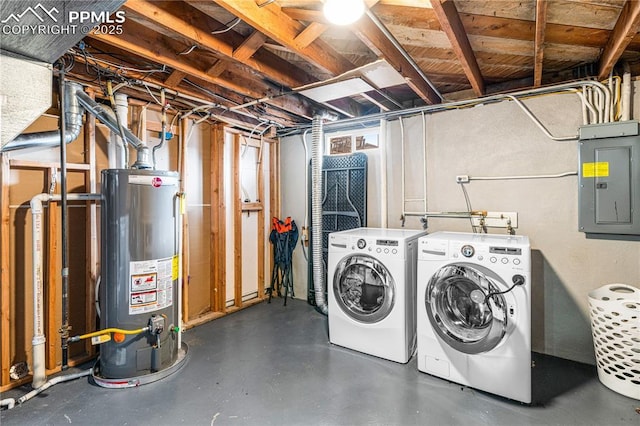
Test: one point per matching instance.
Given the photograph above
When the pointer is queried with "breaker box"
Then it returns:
(609, 178)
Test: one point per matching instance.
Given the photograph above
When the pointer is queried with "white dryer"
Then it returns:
(474, 311)
(371, 291)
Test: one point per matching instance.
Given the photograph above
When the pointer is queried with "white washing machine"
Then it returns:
(371, 291)
(474, 311)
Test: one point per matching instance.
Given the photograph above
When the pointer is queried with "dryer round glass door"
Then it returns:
(463, 308)
(363, 288)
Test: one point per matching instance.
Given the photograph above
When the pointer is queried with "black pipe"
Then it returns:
(64, 330)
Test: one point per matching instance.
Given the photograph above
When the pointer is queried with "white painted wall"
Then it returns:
(498, 140)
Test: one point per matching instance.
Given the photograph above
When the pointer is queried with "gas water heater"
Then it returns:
(139, 277)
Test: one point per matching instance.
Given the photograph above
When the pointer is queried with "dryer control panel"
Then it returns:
(377, 247)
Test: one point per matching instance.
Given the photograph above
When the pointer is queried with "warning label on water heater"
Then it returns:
(151, 285)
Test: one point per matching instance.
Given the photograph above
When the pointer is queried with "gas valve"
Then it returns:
(156, 324)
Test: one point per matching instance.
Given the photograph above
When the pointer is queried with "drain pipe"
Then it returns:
(73, 123)
(316, 210)
(39, 339)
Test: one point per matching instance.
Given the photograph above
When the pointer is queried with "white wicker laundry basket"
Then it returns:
(615, 326)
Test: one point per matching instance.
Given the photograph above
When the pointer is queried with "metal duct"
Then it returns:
(109, 120)
(35, 35)
(316, 214)
(73, 118)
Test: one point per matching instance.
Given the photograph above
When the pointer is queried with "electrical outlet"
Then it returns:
(462, 179)
(497, 220)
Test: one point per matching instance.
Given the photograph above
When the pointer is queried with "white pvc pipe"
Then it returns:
(122, 111)
(52, 382)
(39, 339)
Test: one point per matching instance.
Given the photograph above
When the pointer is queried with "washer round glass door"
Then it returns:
(464, 309)
(363, 288)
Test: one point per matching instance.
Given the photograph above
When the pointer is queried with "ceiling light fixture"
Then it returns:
(343, 12)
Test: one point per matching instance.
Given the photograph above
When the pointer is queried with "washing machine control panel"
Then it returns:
(504, 256)
(375, 246)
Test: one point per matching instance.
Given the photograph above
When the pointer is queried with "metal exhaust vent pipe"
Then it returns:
(73, 120)
(142, 161)
(316, 210)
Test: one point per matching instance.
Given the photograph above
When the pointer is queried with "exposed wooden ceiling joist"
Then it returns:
(188, 29)
(250, 46)
(280, 27)
(624, 31)
(175, 78)
(251, 53)
(309, 34)
(372, 36)
(452, 26)
(155, 50)
(541, 24)
(159, 53)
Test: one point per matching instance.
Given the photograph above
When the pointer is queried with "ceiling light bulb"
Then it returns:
(343, 12)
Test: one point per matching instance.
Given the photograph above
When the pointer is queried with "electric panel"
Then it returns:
(609, 178)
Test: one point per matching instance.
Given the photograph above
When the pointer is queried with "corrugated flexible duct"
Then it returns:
(316, 210)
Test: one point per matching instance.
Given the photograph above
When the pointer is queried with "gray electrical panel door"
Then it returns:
(609, 193)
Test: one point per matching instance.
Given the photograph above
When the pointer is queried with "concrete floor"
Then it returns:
(273, 365)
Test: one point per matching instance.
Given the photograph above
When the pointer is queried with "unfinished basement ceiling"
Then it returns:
(253, 57)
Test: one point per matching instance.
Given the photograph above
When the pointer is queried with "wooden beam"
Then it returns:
(250, 46)
(136, 40)
(31, 164)
(376, 40)
(370, 34)
(271, 21)
(541, 24)
(218, 220)
(185, 260)
(5, 271)
(91, 223)
(237, 222)
(175, 78)
(274, 187)
(261, 240)
(452, 26)
(238, 93)
(309, 34)
(51, 279)
(625, 29)
(185, 28)
(217, 68)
